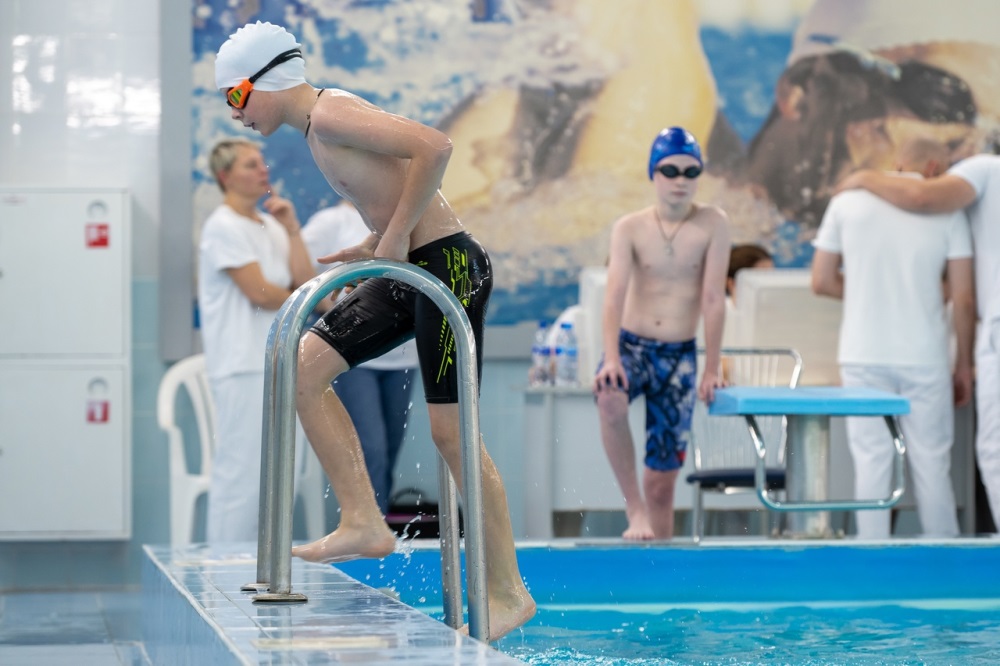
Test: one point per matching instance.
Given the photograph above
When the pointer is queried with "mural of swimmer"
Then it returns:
(544, 165)
(550, 104)
(865, 77)
(556, 100)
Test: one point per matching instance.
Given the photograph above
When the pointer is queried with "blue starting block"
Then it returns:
(828, 400)
(807, 411)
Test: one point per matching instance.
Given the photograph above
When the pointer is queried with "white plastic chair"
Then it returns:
(188, 484)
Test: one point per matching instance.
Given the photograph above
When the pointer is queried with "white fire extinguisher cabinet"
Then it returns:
(65, 364)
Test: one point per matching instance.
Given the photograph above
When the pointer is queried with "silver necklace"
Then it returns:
(670, 239)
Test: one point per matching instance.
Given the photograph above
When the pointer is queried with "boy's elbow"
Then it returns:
(713, 301)
(443, 150)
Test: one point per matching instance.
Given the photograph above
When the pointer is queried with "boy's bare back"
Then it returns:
(366, 153)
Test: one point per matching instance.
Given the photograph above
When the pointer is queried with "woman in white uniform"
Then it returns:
(250, 260)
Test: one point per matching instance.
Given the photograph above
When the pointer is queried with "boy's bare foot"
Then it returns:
(349, 543)
(507, 615)
(639, 528)
(638, 533)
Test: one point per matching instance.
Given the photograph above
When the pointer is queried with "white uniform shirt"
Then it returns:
(893, 263)
(983, 173)
(234, 330)
(331, 230)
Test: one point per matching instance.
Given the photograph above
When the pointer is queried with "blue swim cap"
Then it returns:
(673, 141)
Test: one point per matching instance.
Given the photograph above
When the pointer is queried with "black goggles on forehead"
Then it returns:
(238, 95)
(671, 171)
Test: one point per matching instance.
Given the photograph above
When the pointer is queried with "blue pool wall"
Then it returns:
(770, 574)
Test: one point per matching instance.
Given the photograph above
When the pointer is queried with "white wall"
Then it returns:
(80, 106)
(80, 102)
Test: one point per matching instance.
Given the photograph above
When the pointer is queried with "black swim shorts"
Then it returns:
(382, 314)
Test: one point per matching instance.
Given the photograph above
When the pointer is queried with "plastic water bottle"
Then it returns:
(566, 356)
(541, 354)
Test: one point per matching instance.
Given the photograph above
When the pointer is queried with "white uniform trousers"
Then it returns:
(988, 412)
(928, 431)
(234, 493)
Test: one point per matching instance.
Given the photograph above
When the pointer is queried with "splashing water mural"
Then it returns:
(551, 107)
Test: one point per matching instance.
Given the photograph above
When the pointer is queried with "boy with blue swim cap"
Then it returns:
(667, 268)
(674, 141)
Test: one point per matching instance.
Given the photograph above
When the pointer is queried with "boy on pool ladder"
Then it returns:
(390, 168)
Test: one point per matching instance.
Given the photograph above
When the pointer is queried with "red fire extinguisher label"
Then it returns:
(98, 405)
(98, 411)
(97, 234)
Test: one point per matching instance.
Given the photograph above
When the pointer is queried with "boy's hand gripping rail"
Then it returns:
(274, 544)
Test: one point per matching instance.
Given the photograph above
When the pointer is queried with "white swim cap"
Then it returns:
(249, 49)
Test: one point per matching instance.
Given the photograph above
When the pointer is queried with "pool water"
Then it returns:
(920, 602)
(788, 635)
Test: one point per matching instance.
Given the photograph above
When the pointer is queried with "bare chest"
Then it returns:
(370, 181)
(673, 254)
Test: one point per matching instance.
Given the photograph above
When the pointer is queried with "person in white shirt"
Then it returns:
(972, 184)
(377, 393)
(894, 335)
(250, 259)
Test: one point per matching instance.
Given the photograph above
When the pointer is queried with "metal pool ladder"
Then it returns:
(274, 544)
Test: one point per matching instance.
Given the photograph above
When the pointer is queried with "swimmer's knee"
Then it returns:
(659, 484)
(443, 416)
(612, 404)
(444, 422)
(318, 362)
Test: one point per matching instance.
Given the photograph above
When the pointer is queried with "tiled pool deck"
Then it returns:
(194, 613)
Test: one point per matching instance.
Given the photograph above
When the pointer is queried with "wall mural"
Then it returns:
(552, 105)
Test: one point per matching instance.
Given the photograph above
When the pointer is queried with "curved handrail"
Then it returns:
(277, 452)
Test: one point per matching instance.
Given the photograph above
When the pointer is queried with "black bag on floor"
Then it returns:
(411, 516)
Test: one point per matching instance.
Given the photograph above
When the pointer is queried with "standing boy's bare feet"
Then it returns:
(639, 528)
(349, 543)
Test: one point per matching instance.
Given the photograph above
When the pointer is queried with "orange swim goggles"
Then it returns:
(238, 96)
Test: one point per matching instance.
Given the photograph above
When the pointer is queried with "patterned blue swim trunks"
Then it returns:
(666, 373)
